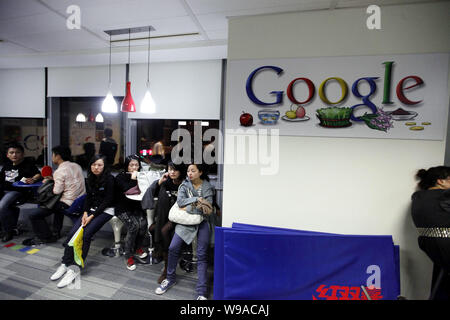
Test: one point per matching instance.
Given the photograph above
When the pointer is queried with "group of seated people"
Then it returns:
(105, 196)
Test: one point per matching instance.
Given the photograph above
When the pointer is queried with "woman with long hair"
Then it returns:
(97, 211)
(163, 229)
(430, 211)
(130, 212)
(195, 195)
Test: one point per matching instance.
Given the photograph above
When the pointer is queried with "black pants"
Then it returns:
(39, 224)
(137, 234)
(96, 224)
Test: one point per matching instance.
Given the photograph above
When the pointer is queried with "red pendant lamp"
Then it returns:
(128, 102)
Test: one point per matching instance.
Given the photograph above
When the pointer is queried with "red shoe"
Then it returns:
(130, 264)
(141, 253)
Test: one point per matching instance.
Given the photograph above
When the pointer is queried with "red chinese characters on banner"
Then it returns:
(346, 293)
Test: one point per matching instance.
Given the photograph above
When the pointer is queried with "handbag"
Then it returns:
(45, 196)
(133, 191)
(144, 180)
(180, 216)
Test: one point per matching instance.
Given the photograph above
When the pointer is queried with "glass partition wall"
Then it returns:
(156, 134)
(31, 133)
(83, 127)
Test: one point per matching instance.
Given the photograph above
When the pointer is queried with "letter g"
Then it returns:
(251, 94)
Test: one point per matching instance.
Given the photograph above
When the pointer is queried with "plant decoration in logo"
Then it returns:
(378, 121)
(334, 117)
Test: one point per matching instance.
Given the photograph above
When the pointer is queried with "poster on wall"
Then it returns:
(394, 97)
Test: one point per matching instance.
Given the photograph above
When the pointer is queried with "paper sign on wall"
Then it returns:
(396, 97)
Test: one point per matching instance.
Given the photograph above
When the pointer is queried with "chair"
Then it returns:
(76, 209)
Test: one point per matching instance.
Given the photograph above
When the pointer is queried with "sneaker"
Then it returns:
(62, 269)
(68, 278)
(165, 285)
(141, 253)
(202, 298)
(32, 242)
(141, 260)
(130, 264)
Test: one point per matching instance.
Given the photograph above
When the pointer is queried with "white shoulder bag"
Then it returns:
(180, 216)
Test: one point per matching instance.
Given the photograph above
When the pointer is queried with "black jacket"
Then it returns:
(431, 208)
(99, 196)
(123, 184)
(167, 196)
(11, 173)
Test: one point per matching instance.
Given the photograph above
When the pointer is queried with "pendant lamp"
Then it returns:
(148, 104)
(99, 118)
(128, 102)
(109, 105)
(80, 118)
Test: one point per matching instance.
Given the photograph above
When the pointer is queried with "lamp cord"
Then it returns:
(109, 59)
(148, 57)
(129, 39)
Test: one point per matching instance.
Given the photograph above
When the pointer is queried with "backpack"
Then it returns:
(45, 196)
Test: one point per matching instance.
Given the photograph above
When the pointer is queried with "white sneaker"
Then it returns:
(68, 278)
(202, 298)
(59, 272)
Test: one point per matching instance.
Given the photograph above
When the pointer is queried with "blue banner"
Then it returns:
(256, 262)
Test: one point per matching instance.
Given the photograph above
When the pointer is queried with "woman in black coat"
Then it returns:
(167, 191)
(97, 211)
(430, 211)
(131, 214)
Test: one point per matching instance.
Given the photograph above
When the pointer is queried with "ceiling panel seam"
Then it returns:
(42, 2)
(191, 14)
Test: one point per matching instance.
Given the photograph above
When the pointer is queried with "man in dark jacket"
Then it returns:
(16, 168)
(108, 147)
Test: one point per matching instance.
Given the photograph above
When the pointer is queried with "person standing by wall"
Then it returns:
(108, 147)
(69, 182)
(430, 211)
(15, 169)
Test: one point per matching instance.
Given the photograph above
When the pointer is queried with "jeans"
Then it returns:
(202, 254)
(39, 224)
(137, 233)
(89, 231)
(9, 213)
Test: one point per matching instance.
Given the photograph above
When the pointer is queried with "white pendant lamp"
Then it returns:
(99, 118)
(109, 105)
(148, 104)
(81, 118)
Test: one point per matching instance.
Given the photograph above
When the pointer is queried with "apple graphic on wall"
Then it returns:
(246, 119)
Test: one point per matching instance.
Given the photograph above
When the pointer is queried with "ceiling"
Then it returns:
(34, 32)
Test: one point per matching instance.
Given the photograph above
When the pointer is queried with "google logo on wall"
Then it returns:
(405, 84)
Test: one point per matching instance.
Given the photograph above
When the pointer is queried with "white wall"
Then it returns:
(23, 93)
(181, 90)
(340, 185)
(90, 81)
